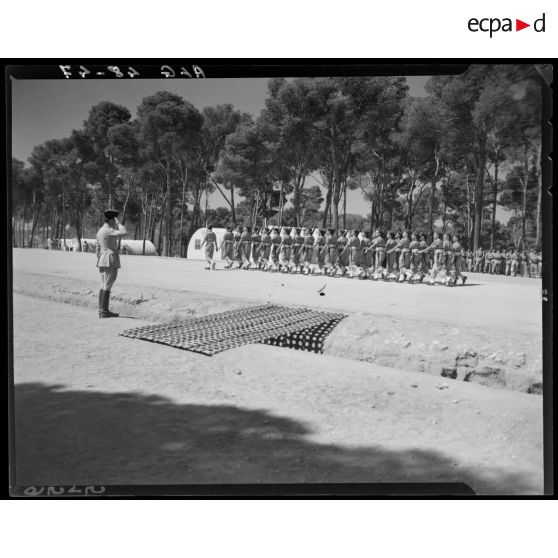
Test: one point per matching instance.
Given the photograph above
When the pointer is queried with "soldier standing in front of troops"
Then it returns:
(390, 256)
(210, 241)
(227, 248)
(265, 250)
(256, 247)
(108, 260)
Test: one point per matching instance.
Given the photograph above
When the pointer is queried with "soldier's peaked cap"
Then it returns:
(110, 213)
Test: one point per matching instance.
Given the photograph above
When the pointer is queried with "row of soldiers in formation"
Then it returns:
(504, 262)
(389, 256)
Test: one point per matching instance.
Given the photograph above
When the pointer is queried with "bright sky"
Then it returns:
(48, 109)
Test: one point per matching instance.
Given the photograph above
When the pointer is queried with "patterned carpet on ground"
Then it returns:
(295, 328)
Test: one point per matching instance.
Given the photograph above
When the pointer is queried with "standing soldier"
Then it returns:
(227, 248)
(210, 241)
(539, 264)
(488, 261)
(256, 246)
(108, 260)
(265, 251)
(319, 252)
(479, 260)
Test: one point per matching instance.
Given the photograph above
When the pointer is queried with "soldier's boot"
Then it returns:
(105, 312)
(101, 292)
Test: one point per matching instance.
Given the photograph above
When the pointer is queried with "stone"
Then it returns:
(536, 388)
(449, 373)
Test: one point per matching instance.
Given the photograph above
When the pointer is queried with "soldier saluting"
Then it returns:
(108, 259)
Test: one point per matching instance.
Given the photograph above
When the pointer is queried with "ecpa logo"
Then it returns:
(494, 24)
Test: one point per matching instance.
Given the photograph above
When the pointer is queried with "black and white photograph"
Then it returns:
(280, 279)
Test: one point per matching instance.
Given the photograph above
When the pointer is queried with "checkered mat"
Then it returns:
(296, 328)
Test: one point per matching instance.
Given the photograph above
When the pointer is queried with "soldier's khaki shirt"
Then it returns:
(107, 246)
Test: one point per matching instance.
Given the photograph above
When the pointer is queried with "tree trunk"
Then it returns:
(344, 206)
(539, 200)
(167, 215)
(479, 199)
(233, 212)
(181, 248)
(431, 209)
(327, 206)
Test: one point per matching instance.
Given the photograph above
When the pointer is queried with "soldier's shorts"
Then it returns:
(108, 277)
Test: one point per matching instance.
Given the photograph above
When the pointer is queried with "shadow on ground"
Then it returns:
(86, 437)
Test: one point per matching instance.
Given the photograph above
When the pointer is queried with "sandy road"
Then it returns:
(485, 302)
(96, 408)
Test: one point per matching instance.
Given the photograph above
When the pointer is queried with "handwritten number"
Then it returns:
(132, 72)
(66, 71)
(198, 71)
(115, 70)
(34, 490)
(167, 71)
(94, 489)
(185, 72)
(84, 71)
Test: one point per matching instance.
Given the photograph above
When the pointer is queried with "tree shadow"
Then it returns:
(67, 437)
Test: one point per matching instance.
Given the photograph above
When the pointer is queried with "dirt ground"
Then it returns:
(93, 407)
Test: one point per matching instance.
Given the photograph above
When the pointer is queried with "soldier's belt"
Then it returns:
(405, 251)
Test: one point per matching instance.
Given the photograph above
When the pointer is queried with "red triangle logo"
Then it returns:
(519, 25)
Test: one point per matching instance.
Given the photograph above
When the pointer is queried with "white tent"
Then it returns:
(131, 247)
(195, 250)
